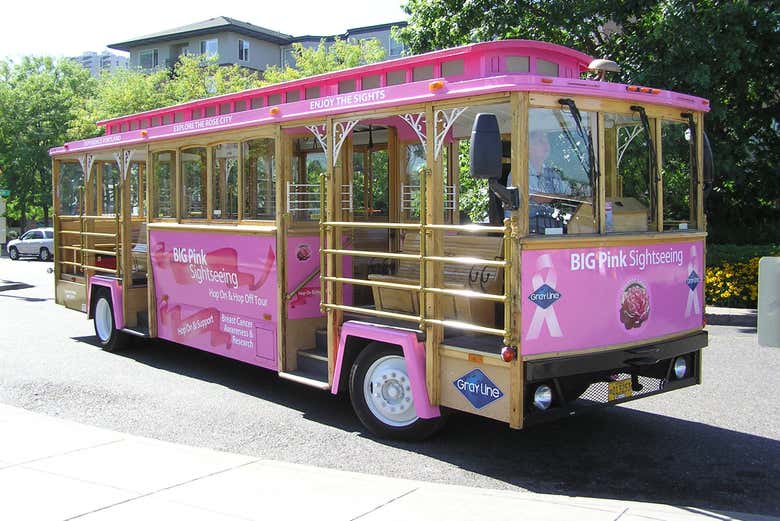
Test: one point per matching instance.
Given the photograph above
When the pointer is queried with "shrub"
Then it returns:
(732, 274)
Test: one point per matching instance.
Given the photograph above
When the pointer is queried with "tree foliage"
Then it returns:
(310, 61)
(38, 97)
(128, 91)
(723, 51)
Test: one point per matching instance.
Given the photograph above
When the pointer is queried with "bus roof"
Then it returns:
(480, 68)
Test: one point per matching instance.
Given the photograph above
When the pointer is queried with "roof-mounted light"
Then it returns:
(601, 67)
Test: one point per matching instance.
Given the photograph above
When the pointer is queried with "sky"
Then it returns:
(45, 27)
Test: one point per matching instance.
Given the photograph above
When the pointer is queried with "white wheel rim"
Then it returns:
(103, 320)
(388, 392)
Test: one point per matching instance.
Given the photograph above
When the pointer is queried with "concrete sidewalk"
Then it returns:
(52, 469)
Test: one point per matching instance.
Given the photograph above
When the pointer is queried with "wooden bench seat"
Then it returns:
(474, 277)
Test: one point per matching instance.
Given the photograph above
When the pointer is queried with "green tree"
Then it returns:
(196, 77)
(723, 51)
(128, 91)
(340, 54)
(38, 97)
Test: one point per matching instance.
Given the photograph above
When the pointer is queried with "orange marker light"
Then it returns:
(547, 80)
(144, 133)
(436, 85)
(274, 111)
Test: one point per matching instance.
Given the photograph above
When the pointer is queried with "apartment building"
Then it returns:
(237, 42)
(95, 62)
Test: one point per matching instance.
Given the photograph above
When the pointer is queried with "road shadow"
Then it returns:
(614, 453)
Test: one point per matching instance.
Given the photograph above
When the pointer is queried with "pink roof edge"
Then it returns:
(552, 48)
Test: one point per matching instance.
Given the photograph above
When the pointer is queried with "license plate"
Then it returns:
(619, 389)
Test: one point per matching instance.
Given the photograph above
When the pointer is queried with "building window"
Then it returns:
(209, 47)
(243, 50)
(148, 59)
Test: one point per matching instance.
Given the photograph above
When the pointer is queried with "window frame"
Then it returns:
(204, 47)
(155, 58)
(243, 50)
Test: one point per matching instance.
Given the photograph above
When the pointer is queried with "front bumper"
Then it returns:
(580, 383)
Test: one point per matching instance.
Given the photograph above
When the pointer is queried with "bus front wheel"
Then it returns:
(109, 338)
(381, 394)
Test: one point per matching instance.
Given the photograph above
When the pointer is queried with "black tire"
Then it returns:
(412, 429)
(44, 255)
(13, 253)
(108, 336)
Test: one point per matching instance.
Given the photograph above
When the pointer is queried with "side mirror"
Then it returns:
(485, 156)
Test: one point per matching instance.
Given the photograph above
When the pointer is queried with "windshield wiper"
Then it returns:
(654, 172)
(593, 172)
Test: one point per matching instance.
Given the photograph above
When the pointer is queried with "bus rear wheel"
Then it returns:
(109, 337)
(381, 394)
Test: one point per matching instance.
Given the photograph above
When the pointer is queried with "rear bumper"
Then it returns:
(580, 383)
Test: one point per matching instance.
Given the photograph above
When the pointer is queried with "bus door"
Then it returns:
(369, 191)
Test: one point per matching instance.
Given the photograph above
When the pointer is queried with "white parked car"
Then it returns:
(38, 242)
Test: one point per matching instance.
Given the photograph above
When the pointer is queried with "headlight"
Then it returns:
(680, 368)
(543, 397)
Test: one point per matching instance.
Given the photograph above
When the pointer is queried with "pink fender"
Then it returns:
(116, 297)
(414, 353)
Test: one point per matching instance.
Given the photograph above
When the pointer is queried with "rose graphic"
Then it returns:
(635, 305)
(304, 252)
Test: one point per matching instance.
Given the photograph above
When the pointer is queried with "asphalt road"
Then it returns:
(713, 446)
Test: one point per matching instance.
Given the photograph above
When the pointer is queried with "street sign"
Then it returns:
(5, 193)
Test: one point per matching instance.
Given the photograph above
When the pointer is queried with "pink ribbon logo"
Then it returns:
(544, 296)
(693, 281)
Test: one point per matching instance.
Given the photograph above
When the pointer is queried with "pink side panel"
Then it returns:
(303, 260)
(414, 353)
(584, 298)
(217, 293)
(116, 297)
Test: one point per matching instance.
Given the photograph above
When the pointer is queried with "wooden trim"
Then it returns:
(658, 138)
(55, 201)
(332, 187)
(150, 288)
(213, 228)
(123, 249)
(468, 355)
(280, 174)
(600, 149)
(613, 239)
(701, 218)
(615, 347)
(519, 224)
(266, 130)
(485, 99)
(177, 187)
(432, 246)
(367, 114)
(208, 189)
(593, 104)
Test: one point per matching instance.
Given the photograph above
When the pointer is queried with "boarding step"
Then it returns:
(307, 378)
(136, 331)
(314, 361)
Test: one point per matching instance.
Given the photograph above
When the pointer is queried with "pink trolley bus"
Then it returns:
(493, 229)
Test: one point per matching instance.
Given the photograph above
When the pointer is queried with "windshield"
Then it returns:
(559, 173)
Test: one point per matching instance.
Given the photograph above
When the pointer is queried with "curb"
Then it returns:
(731, 317)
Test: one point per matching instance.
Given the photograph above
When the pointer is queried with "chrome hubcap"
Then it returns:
(103, 320)
(388, 392)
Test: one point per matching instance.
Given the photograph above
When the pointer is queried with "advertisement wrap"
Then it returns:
(217, 293)
(303, 267)
(582, 298)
